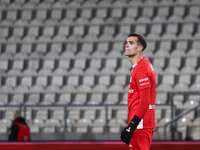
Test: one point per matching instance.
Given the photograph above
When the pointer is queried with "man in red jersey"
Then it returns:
(141, 96)
(19, 129)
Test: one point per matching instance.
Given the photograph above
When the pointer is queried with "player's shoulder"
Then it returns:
(144, 63)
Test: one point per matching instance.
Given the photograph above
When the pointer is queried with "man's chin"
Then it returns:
(126, 54)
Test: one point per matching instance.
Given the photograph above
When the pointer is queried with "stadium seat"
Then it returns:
(27, 80)
(115, 125)
(161, 98)
(121, 113)
(98, 126)
(167, 82)
(84, 89)
(80, 98)
(37, 125)
(171, 31)
(156, 30)
(112, 98)
(183, 84)
(8, 114)
(141, 29)
(124, 99)
(17, 99)
(56, 14)
(187, 31)
(159, 62)
(21, 89)
(90, 113)
(34, 97)
(178, 13)
(50, 125)
(74, 113)
(87, 47)
(42, 79)
(96, 98)
(121, 80)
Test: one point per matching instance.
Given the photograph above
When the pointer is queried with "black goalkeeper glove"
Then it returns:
(127, 133)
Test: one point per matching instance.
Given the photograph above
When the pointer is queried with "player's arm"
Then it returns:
(127, 133)
(144, 84)
(13, 132)
(144, 103)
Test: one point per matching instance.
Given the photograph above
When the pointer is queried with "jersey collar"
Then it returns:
(134, 65)
(138, 62)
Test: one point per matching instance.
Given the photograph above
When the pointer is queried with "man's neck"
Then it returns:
(134, 59)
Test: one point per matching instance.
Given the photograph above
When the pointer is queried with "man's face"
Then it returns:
(131, 46)
(14, 117)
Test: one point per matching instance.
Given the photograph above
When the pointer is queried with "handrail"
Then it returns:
(178, 117)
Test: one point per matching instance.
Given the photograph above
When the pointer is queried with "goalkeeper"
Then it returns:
(141, 96)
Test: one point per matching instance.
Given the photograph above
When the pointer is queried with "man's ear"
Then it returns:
(140, 48)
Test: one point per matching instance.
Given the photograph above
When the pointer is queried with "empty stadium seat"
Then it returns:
(167, 82)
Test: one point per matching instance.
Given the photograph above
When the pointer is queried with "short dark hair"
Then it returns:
(140, 39)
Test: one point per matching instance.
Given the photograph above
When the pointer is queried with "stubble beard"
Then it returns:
(129, 54)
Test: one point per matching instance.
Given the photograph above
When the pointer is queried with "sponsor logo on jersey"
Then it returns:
(144, 83)
(151, 106)
(131, 91)
(144, 79)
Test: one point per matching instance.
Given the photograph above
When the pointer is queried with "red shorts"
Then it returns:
(141, 139)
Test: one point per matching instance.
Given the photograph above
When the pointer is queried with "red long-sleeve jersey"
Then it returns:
(141, 94)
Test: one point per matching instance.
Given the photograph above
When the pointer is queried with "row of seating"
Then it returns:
(74, 48)
(71, 3)
(25, 65)
(63, 98)
(157, 31)
(93, 4)
(90, 38)
(73, 97)
(152, 13)
(93, 83)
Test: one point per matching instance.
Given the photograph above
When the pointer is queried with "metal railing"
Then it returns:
(23, 109)
(174, 116)
(175, 119)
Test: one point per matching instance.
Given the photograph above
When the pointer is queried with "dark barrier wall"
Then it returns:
(96, 146)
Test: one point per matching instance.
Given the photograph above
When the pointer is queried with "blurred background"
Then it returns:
(62, 65)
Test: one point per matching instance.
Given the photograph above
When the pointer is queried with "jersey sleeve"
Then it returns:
(144, 103)
(143, 83)
(142, 78)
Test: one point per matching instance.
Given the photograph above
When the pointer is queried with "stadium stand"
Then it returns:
(70, 52)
